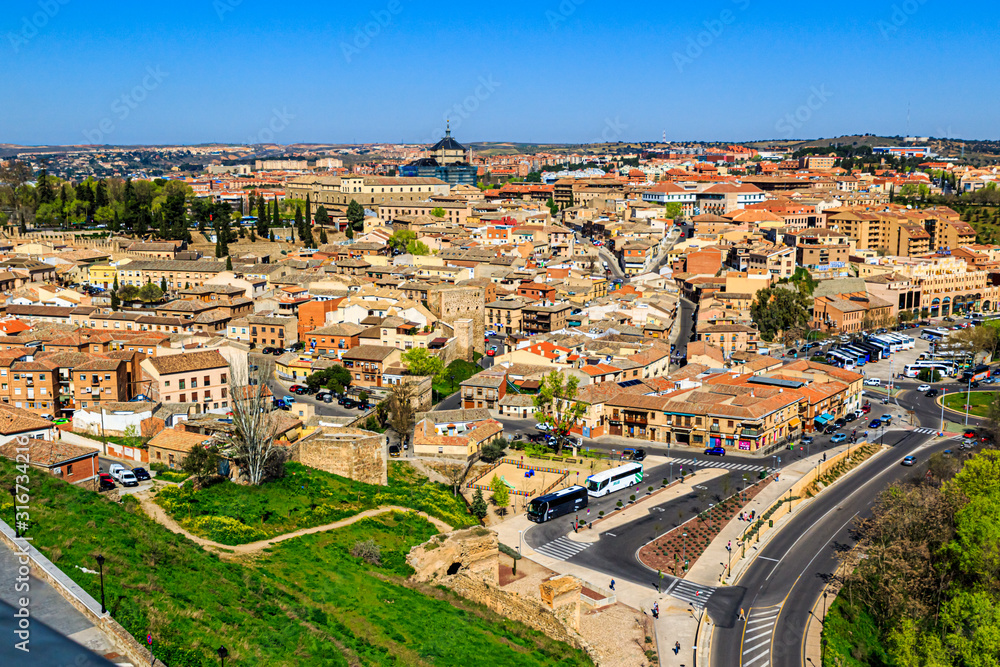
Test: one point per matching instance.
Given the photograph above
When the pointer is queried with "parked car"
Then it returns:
(840, 423)
(141, 474)
(634, 454)
(394, 451)
(328, 398)
(267, 350)
(491, 352)
(107, 482)
(298, 389)
(974, 384)
(716, 451)
(866, 408)
(969, 433)
(910, 461)
(873, 382)
(122, 475)
(949, 319)
(924, 387)
(850, 416)
(830, 429)
(807, 440)
(838, 437)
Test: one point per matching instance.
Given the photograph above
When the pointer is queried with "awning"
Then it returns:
(828, 416)
(822, 419)
(794, 423)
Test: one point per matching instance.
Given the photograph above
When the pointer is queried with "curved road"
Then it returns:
(790, 572)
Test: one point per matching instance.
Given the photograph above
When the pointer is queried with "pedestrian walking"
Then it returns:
(743, 616)
(677, 648)
(612, 584)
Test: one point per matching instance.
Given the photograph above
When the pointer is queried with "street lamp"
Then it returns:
(519, 534)
(223, 653)
(100, 564)
(452, 378)
(968, 398)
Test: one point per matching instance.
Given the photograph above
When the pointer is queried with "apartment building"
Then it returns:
(264, 330)
(191, 377)
(30, 385)
(779, 262)
(819, 247)
(484, 390)
(505, 316)
(538, 319)
(367, 363)
(337, 192)
(100, 381)
(730, 338)
(333, 340)
(177, 274)
(851, 312)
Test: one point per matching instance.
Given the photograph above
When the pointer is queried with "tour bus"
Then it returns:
(935, 334)
(841, 360)
(861, 355)
(882, 345)
(875, 352)
(615, 479)
(551, 505)
(894, 344)
(942, 367)
(905, 341)
(980, 372)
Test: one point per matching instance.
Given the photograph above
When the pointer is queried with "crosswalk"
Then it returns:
(757, 633)
(562, 548)
(694, 594)
(926, 431)
(704, 463)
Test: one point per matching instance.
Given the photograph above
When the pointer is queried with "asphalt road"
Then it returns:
(790, 572)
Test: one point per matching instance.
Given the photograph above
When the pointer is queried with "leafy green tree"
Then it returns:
(322, 217)
(673, 210)
(276, 222)
(437, 212)
(494, 450)
(776, 310)
(349, 232)
(355, 215)
(553, 207)
(556, 407)
(417, 248)
(402, 238)
(328, 377)
(129, 292)
(501, 495)
(419, 361)
(202, 462)
(479, 507)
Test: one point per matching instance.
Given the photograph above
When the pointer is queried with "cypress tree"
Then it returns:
(299, 223)
(276, 223)
(45, 192)
(323, 239)
(229, 263)
(261, 217)
(309, 215)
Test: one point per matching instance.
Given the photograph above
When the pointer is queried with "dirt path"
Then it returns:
(159, 515)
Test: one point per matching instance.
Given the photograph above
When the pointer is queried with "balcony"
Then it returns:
(714, 428)
(750, 433)
(640, 420)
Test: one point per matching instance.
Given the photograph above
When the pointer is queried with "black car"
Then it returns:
(850, 417)
(840, 423)
(349, 403)
(635, 454)
(140, 474)
(974, 384)
(830, 429)
(267, 350)
(932, 393)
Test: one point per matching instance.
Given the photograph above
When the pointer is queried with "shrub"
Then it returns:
(224, 529)
(368, 551)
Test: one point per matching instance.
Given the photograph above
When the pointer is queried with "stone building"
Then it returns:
(349, 452)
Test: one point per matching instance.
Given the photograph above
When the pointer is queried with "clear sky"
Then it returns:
(542, 71)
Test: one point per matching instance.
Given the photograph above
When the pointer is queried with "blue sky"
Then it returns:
(543, 71)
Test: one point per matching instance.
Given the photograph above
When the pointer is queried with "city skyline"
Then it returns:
(229, 72)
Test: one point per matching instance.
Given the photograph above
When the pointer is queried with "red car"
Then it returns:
(107, 482)
(866, 408)
(491, 353)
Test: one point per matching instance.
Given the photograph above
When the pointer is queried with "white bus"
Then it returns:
(615, 479)
(942, 367)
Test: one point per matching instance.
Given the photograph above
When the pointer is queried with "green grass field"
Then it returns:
(852, 637)
(303, 602)
(979, 400)
(461, 370)
(236, 514)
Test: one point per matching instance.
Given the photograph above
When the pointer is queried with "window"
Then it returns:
(166, 383)
(223, 379)
(208, 381)
(194, 383)
(182, 385)
(183, 398)
(69, 469)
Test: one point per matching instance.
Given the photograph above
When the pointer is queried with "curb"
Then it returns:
(780, 525)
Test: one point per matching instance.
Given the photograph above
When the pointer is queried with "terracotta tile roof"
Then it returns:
(178, 441)
(48, 453)
(189, 361)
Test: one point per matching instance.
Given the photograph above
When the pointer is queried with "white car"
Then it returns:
(873, 382)
(123, 475)
(924, 387)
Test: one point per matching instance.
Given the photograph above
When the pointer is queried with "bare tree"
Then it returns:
(401, 412)
(251, 444)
